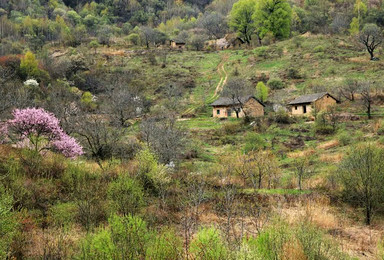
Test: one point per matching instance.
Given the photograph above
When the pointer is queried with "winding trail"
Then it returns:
(219, 88)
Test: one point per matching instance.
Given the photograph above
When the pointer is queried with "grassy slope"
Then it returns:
(320, 67)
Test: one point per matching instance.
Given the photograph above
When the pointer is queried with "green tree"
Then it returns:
(208, 244)
(354, 27)
(94, 45)
(29, 65)
(273, 16)
(126, 195)
(261, 91)
(242, 19)
(363, 179)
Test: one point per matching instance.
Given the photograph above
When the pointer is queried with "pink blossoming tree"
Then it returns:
(40, 130)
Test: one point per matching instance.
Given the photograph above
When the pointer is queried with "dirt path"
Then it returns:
(224, 76)
(220, 86)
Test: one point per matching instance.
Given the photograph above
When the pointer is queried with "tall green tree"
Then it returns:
(273, 16)
(242, 19)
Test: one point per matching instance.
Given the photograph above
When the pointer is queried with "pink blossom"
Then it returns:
(68, 146)
(36, 127)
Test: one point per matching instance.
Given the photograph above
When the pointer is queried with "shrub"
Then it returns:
(344, 138)
(130, 236)
(253, 142)
(231, 128)
(62, 214)
(262, 52)
(282, 117)
(322, 125)
(293, 73)
(134, 38)
(319, 48)
(208, 245)
(315, 245)
(271, 241)
(98, 246)
(7, 223)
(276, 83)
(167, 245)
(126, 195)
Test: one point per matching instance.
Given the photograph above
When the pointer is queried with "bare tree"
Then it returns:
(124, 103)
(197, 41)
(302, 170)
(349, 89)
(100, 141)
(366, 97)
(236, 89)
(256, 166)
(214, 23)
(363, 179)
(371, 37)
(229, 193)
(164, 137)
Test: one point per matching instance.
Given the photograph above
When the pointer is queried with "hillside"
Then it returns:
(110, 148)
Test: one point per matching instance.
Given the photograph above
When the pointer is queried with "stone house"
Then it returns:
(305, 105)
(225, 107)
(177, 44)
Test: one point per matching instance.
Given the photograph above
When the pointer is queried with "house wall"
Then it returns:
(324, 102)
(177, 46)
(252, 108)
(224, 112)
(320, 104)
(299, 109)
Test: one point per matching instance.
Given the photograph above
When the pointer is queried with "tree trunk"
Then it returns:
(371, 53)
(368, 215)
(369, 111)
(260, 181)
(300, 188)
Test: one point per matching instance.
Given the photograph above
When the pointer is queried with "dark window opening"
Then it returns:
(304, 109)
(295, 107)
(218, 111)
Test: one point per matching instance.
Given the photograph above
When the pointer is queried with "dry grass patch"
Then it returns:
(329, 144)
(300, 154)
(331, 158)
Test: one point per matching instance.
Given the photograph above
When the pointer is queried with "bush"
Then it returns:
(253, 142)
(282, 117)
(319, 48)
(62, 214)
(134, 38)
(270, 243)
(230, 128)
(315, 245)
(130, 236)
(98, 246)
(276, 83)
(7, 223)
(126, 195)
(293, 73)
(167, 245)
(344, 138)
(262, 52)
(127, 238)
(208, 245)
